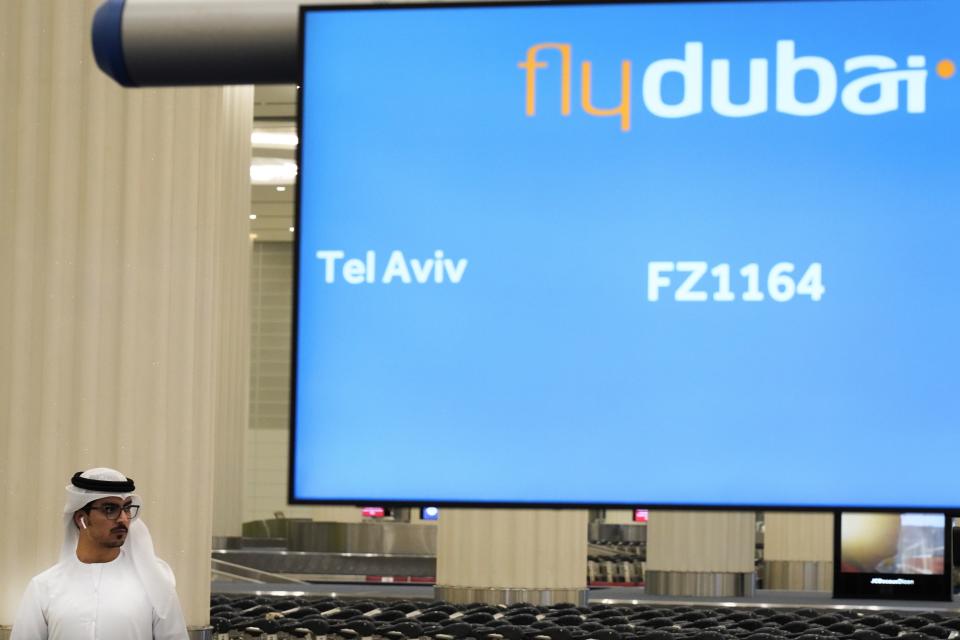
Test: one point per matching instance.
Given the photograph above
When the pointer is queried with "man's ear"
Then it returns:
(77, 517)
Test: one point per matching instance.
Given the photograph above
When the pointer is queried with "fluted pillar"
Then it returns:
(798, 551)
(502, 556)
(700, 553)
(123, 265)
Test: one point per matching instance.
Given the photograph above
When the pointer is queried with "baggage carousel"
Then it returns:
(764, 598)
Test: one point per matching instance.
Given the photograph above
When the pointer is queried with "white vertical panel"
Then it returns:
(798, 536)
(124, 219)
(707, 541)
(512, 548)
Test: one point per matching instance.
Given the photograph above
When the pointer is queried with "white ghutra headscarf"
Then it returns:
(87, 486)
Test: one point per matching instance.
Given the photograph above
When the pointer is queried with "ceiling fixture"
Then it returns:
(276, 171)
(282, 138)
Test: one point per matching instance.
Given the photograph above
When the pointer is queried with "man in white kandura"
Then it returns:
(108, 584)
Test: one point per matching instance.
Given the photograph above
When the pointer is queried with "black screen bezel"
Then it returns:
(453, 5)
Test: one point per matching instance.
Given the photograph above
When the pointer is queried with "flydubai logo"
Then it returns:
(867, 85)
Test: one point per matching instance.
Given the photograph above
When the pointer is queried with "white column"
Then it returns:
(700, 553)
(798, 551)
(233, 320)
(123, 265)
(512, 555)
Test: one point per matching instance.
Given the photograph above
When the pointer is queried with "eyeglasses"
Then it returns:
(112, 511)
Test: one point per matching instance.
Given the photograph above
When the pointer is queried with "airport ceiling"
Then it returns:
(273, 165)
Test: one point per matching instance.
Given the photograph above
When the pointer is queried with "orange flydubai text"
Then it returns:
(875, 92)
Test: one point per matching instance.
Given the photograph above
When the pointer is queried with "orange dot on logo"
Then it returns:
(946, 68)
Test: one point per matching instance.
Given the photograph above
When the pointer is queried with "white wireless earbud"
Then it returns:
(83, 523)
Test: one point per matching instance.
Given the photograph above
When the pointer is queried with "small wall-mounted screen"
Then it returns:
(894, 555)
(641, 515)
(544, 245)
(901, 543)
(429, 513)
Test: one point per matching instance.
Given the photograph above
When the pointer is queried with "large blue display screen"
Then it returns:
(630, 254)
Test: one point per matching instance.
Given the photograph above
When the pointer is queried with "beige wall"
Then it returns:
(267, 439)
(122, 253)
(708, 541)
(619, 516)
(798, 536)
(512, 548)
(265, 488)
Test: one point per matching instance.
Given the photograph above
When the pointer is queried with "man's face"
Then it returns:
(103, 531)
